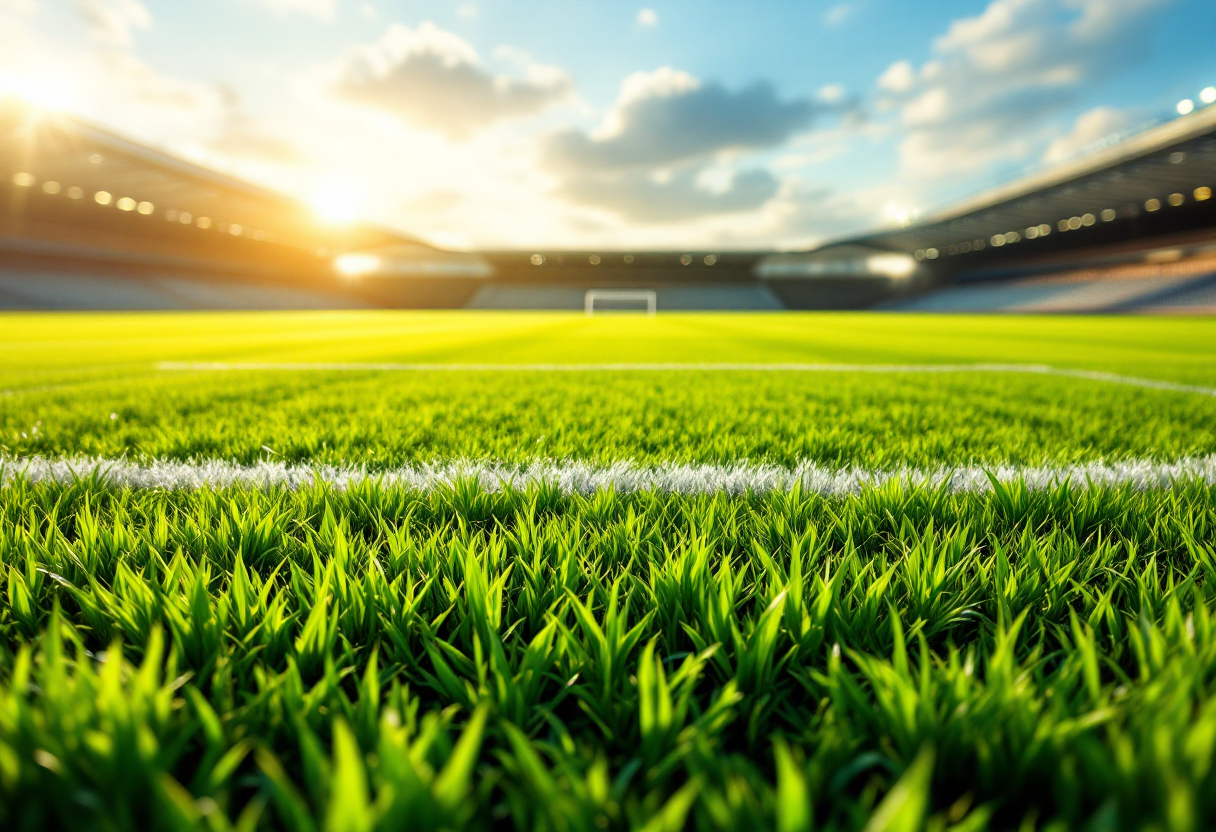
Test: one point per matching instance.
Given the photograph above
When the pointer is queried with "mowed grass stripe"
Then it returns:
(35, 347)
(574, 477)
(778, 367)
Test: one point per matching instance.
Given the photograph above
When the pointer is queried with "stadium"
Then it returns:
(1127, 227)
(679, 520)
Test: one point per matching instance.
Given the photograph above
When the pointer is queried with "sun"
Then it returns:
(43, 93)
(338, 199)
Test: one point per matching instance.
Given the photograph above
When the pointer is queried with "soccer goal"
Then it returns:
(620, 300)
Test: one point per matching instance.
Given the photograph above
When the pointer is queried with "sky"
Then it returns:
(609, 124)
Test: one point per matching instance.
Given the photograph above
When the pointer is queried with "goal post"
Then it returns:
(620, 300)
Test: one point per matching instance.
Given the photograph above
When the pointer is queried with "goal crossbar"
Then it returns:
(647, 296)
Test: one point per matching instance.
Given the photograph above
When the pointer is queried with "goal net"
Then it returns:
(620, 300)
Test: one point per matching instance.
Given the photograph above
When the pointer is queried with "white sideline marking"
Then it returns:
(1035, 369)
(605, 367)
(587, 478)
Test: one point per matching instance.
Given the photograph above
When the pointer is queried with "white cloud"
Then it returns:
(831, 93)
(434, 78)
(467, 12)
(804, 215)
(997, 78)
(94, 71)
(667, 151)
(241, 138)
(320, 9)
(839, 13)
(113, 21)
(14, 17)
(1090, 129)
(648, 18)
(666, 197)
(900, 77)
(668, 116)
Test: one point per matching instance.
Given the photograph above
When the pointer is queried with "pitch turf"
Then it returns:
(91, 384)
(386, 658)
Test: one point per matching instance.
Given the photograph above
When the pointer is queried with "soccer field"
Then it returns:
(360, 571)
(391, 389)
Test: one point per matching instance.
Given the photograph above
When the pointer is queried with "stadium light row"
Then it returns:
(1075, 223)
(539, 259)
(105, 199)
(1207, 95)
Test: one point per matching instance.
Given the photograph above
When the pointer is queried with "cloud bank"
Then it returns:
(320, 9)
(652, 159)
(666, 116)
(997, 76)
(434, 79)
(1090, 128)
(681, 196)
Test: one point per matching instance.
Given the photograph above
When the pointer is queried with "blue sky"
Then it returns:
(586, 123)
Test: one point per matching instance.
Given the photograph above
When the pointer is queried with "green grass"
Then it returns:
(380, 658)
(458, 658)
(69, 374)
(389, 419)
(1176, 348)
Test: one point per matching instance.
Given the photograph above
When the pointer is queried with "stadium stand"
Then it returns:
(91, 220)
(1127, 227)
(682, 280)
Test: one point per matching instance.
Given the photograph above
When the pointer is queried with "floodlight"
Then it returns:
(895, 266)
(356, 265)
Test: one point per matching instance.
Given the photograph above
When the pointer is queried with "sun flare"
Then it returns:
(338, 199)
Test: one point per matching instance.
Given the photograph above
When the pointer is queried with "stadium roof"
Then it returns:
(1162, 168)
(55, 154)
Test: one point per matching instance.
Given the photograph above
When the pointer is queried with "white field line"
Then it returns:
(587, 478)
(1035, 369)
